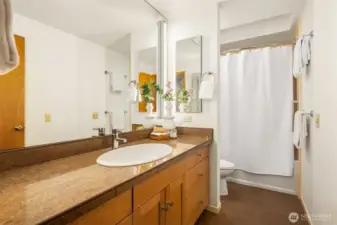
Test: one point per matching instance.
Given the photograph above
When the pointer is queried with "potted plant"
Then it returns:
(184, 98)
(146, 93)
(168, 97)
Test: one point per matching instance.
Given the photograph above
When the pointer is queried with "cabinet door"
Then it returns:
(196, 189)
(174, 203)
(151, 213)
(127, 221)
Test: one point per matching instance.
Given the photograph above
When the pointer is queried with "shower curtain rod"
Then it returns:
(237, 50)
(265, 46)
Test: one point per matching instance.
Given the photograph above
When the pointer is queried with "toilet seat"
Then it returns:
(226, 164)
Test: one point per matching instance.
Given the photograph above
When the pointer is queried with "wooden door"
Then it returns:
(147, 78)
(12, 107)
(174, 202)
(150, 213)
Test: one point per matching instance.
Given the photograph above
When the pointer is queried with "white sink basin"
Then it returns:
(134, 155)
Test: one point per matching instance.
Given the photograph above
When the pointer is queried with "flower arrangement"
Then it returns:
(146, 92)
(168, 96)
(184, 95)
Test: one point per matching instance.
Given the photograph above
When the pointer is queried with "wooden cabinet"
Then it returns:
(196, 191)
(127, 221)
(110, 213)
(150, 212)
(175, 196)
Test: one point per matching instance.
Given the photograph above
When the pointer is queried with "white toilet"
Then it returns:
(226, 168)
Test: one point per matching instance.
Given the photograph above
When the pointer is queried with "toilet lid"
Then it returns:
(226, 164)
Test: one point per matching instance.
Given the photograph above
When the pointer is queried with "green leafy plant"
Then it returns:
(184, 95)
(146, 92)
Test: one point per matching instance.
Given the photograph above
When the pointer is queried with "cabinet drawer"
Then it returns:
(111, 212)
(196, 157)
(196, 192)
(150, 187)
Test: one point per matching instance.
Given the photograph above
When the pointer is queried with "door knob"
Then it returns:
(19, 128)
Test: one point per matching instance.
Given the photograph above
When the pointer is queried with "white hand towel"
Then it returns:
(207, 87)
(9, 58)
(300, 129)
(117, 82)
(298, 63)
(306, 50)
(117, 119)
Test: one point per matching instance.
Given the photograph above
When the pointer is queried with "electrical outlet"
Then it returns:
(47, 117)
(188, 119)
(95, 116)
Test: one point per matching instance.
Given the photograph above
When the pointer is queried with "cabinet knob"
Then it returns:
(164, 207)
(200, 175)
(169, 203)
(19, 128)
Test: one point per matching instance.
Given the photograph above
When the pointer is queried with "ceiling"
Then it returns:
(101, 21)
(246, 23)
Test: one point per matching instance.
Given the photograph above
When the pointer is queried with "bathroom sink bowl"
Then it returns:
(134, 155)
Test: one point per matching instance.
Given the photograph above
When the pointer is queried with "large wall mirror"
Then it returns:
(188, 75)
(73, 78)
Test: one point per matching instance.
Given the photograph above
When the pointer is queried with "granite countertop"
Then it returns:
(34, 194)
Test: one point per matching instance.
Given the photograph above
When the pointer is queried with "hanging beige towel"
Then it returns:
(9, 58)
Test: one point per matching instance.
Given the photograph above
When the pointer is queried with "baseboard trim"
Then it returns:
(306, 210)
(214, 209)
(263, 186)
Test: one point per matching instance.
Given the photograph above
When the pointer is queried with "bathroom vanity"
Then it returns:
(176, 195)
(76, 190)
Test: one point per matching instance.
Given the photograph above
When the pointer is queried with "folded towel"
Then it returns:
(207, 87)
(9, 58)
(300, 129)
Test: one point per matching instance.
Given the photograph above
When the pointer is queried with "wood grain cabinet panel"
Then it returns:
(110, 213)
(144, 191)
(174, 201)
(149, 213)
(127, 221)
(195, 192)
(196, 157)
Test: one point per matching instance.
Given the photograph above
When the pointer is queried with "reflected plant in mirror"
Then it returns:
(188, 75)
(184, 99)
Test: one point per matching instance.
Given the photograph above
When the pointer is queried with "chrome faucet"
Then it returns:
(116, 139)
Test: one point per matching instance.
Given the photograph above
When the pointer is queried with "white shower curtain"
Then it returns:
(256, 110)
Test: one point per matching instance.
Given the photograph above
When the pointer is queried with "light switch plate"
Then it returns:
(95, 116)
(47, 117)
(318, 120)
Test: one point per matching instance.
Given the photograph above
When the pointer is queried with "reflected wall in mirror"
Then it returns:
(74, 70)
(147, 69)
(188, 75)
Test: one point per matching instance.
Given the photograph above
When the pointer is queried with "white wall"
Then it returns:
(324, 83)
(187, 26)
(308, 104)
(64, 77)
